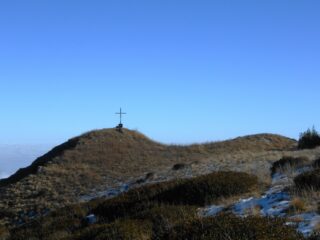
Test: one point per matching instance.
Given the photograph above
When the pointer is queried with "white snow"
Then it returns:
(274, 203)
(211, 210)
(109, 193)
(305, 222)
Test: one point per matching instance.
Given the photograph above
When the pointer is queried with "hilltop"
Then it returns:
(103, 159)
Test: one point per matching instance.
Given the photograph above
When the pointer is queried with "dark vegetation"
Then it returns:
(309, 139)
(288, 163)
(308, 180)
(149, 212)
(179, 166)
(196, 191)
(226, 227)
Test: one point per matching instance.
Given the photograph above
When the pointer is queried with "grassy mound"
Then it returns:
(197, 191)
(289, 163)
(308, 180)
(153, 223)
(228, 227)
(103, 158)
(206, 189)
(164, 217)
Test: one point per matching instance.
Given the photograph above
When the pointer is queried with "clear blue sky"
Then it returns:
(184, 71)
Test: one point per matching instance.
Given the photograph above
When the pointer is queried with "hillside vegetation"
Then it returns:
(106, 158)
(157, 212)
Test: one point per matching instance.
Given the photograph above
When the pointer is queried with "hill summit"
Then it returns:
(102, 159)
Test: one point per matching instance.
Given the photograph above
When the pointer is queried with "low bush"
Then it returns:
(229, 227)
(287, 163)
(308, 180)
(164, 217)
(132, 202)
(206, 189)
(179, 166)
(309, 139)
(297, 205)
(198, 191)
(149, 224)
(125, 229)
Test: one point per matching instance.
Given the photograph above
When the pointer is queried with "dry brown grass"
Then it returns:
(101, 159)
(298, 205)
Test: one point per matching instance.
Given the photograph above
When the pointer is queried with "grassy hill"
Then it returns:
(105, 158)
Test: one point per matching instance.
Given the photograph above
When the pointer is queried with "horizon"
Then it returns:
(184, 72)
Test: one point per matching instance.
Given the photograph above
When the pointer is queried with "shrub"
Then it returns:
(164, 217)
(179, 166)
(200, 190)
(287, 163)
(125, 229)
(153, 223)
(308, 180)
(206, 189)
(297, 205)
(132, 202)
(309, 139)
(229, 227)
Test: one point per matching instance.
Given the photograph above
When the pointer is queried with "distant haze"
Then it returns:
(15, 156)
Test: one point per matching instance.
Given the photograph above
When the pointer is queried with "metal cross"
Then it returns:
(121, 113)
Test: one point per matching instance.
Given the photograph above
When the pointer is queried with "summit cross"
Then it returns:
(121, 113)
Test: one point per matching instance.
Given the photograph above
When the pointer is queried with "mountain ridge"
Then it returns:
(73, 142)
(102, 159)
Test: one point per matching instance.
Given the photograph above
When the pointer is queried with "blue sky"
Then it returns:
(184, 71)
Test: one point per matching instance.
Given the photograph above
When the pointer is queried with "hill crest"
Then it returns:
(101, 159)
(131, 138)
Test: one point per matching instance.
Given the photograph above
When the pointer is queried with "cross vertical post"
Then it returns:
(119, 127)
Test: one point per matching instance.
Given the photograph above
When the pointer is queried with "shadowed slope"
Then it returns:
(41, 161)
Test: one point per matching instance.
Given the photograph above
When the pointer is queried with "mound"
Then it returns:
(102, 159)
(289, 163)
(234, 228)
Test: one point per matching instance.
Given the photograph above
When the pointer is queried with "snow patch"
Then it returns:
(211, 210)
(274, 203)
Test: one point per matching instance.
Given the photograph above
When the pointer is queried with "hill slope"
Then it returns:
(102, 159)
